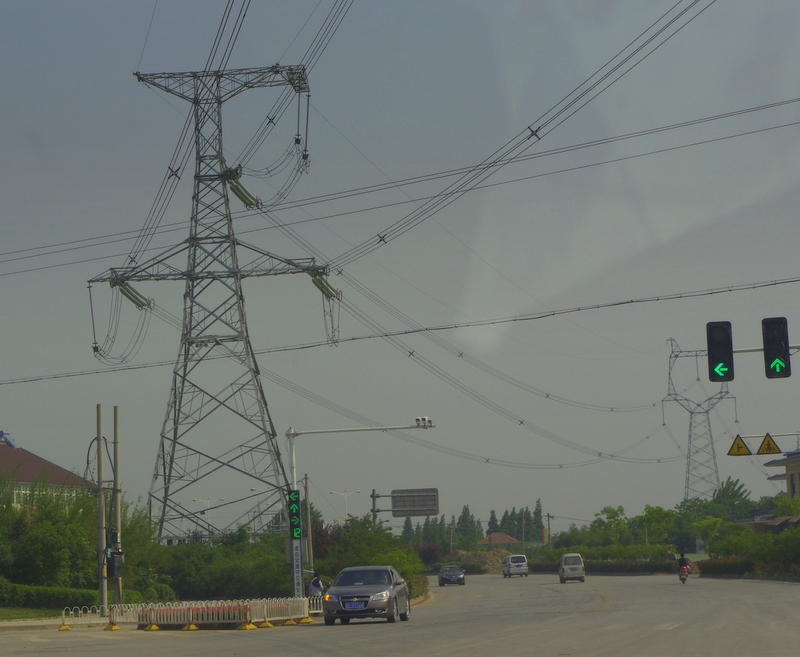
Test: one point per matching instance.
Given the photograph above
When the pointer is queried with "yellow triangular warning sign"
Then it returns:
(768, 446)
(739, 448)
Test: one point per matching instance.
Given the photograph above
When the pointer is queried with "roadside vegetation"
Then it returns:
(48, 548)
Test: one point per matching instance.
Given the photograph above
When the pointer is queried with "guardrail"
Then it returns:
(82, 615)
(245, 614)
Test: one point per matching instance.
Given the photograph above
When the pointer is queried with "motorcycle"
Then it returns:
(683, 573)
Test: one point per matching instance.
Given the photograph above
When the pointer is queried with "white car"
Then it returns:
(571, 566)
(515, 564)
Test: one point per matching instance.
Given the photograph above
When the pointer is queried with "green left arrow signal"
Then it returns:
(777, 364)
(721, 369)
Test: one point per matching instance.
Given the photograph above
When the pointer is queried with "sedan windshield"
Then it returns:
(362, 578)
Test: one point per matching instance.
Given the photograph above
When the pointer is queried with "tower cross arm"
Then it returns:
(228, 82)
(259, 263)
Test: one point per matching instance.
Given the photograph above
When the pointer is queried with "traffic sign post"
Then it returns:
(739, 448)
(415, 502)
(768, 446)
(296, 535)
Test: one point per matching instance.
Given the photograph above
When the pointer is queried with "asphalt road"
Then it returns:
(619, 616)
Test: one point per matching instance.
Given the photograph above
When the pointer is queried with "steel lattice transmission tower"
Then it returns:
(702, 473)
(217, 431)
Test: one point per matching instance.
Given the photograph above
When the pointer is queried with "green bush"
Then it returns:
(729, 566)
(45, 597)
(634, 566)
(417, 585)
(543, 566)
(631, 566)
(473, 568)
(50, 597)
(641, 552)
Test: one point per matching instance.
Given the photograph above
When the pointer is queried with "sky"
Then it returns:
(407, 90)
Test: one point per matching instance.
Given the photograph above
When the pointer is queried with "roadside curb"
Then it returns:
(27, 624)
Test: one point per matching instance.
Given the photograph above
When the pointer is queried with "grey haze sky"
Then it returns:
(411, 89)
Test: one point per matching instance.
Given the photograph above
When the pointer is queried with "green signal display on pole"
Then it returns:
(719, 337)
(776, 347)
(293, 507)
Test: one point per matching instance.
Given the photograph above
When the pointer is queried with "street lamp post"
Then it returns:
(291, 434)
(345, 494)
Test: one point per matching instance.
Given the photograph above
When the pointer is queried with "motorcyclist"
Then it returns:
(684, 561)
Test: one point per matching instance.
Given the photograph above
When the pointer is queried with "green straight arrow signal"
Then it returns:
(721, 369)
(777, 364)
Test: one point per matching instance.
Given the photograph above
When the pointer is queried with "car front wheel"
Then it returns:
(392, 617)
(407, 613)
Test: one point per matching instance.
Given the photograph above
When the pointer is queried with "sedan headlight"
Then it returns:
(331, 598)
(383, 595)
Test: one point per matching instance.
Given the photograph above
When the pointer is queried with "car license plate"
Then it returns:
(353, 605)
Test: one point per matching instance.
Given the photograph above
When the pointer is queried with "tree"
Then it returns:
(468, 530)
(361, 543)
(611, 525)
(654, 525)
(492, 526)
(785, 505)
(686, 514)
(733, 499)
(408, 530)
(538, 518)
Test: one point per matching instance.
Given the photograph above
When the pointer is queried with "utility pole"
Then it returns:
(101, 518)
(117, 510)
(549, 541)
(310, 534)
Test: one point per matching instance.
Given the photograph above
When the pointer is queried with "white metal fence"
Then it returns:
(197, 613)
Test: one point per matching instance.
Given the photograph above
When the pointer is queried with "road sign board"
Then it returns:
(768, 446)
(739, 448)
(415, 502)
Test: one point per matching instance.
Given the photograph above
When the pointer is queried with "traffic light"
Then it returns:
(295, 522)
(776, 347)
(720, 351)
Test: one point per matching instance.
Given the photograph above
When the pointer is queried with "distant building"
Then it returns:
(498, 538)
(791, 473)
(25, 470)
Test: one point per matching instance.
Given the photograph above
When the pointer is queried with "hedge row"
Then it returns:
(418, 585)
(47, 597)
(618, 566)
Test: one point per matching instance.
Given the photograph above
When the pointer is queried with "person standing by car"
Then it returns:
(316, 586)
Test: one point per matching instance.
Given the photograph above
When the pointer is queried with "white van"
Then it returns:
(571, 566)
(515, 564)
